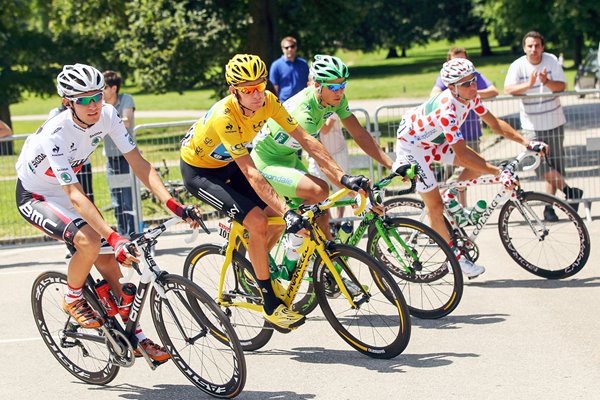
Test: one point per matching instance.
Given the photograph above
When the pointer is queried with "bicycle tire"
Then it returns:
(403, 207)
(558, 254)
(381, 317)
(208, 353)
(87, 360)
(434, 287)
(203, 266)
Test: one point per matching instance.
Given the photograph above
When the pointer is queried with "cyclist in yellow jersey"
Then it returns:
(217, 168)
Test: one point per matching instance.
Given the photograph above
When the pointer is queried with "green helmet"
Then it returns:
(328, 68)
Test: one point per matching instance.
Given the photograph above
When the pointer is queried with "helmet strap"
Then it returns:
(74, 114)
(320, 98)
(458, 96)
(243, 107)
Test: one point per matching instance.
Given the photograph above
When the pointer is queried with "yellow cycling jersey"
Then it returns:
(223, 133)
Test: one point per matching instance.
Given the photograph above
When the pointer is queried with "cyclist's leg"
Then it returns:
(55, 216)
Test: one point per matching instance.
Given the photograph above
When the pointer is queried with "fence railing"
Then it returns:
(159, 144)
(581, 144)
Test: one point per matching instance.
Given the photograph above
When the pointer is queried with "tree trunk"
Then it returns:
(6, 148)
(262, 39)
(403, 52)
(484, 40)
(392, 53)
(577, 48)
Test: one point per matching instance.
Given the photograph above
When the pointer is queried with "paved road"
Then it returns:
(513, 336)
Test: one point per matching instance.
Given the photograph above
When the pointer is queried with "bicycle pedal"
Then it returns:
(279, 328)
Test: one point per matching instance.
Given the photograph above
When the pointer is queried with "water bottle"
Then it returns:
(345, 231)
(476, 212)
(127, 295)
(450, 194)
(292, 243)
(106, 297)
(458, 213)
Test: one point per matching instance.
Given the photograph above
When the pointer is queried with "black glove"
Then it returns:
(191, 212)
(354, 183)
(293, 222)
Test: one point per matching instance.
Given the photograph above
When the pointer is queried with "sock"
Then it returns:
(455, 250)
(139, 334)
(271, 302)
(73, 294)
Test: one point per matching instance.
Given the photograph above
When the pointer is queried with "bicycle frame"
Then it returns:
(316, 244)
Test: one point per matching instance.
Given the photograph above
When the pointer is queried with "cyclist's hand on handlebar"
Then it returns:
(354, 183)
(407, 171)
(294, 222)
(191, 214)
(508, 178)
(538, 146)
(124, 252)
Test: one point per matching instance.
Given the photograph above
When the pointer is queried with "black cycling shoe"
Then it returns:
(574, 193)
(549, 214)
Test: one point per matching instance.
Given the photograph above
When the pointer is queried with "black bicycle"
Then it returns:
(193, 329)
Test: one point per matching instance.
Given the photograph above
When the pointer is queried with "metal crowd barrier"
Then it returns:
(159, 144)
(582, 141)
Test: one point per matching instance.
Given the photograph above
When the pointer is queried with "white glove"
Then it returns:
(368, 206)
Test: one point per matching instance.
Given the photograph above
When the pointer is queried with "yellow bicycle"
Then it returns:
(358, 297)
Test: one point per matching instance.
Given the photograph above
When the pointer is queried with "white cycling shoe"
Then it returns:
(469, 268)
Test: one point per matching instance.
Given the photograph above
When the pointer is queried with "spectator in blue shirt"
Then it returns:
(289, 73)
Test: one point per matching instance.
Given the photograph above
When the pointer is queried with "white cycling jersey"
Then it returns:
(51, 157)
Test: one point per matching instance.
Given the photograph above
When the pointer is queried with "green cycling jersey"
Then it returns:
(304, 107)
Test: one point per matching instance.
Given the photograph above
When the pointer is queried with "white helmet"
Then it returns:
(456, 69)
(77, 79)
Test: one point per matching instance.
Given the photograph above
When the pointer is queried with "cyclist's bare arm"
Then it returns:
(264, 190)
(366, 142)
(504, 129)
(317, 151)
(150, 178)
(469, 159)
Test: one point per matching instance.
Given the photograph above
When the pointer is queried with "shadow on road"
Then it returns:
(539, 283)
(320, 355)
(455, 321)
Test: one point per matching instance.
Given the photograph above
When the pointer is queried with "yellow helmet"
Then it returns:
(244, 68)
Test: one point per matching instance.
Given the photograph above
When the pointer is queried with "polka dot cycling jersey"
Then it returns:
(437, 121)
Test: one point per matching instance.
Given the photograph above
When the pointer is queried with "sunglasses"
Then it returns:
(293, 46)
(334, 87)
(251, 89)
(86, 100)
(468, 83)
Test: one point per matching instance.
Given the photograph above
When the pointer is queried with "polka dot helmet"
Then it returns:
(456, 69)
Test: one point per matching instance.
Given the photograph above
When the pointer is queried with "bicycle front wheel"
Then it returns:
(86, 357)
(430, 276)
(199, 337)
(552, 250)
(203, 266)
(379, 323)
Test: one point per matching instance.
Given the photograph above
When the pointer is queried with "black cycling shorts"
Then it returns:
(49, 217)
(225, 189)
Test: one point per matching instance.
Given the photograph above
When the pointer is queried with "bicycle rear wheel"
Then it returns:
(552, 250)
(203, 266)
(199, 337)
(87, 360)
(433, 285)
(380, 324)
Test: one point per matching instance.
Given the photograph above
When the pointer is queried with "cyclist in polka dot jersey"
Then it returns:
(432, 132)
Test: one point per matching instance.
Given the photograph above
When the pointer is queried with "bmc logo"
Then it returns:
(36, 217)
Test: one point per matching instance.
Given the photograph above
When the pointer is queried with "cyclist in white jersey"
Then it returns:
(431, 132)
(50, 197)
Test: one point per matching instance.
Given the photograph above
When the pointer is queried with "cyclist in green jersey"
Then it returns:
(275, 151)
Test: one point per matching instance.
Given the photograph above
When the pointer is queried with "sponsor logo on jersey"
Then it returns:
(258, 126)
(327, 115)
(209, 142)
(36, 217)
(66, 177)
(291, 120)
(229, 127)
(221, 154)
(199, 151)
(55, 149)
(37, 160)
(96, 140)
(72, 147)
(56, 130)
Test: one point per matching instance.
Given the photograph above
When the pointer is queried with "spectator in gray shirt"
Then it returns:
(117, 168)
